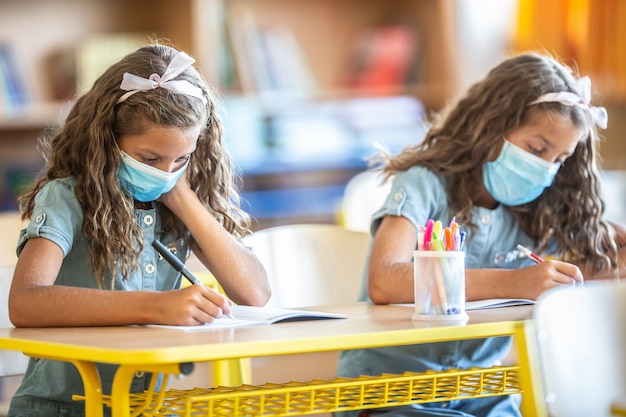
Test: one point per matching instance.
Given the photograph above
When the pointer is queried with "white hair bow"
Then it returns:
(582, 99)
(133, 83)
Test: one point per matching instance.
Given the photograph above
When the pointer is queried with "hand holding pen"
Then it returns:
(179, 266)
(575, 274)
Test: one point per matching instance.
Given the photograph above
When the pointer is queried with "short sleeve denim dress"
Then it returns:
(48, 386)
(418, 194)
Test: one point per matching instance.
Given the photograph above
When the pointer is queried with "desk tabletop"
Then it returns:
(366, 326)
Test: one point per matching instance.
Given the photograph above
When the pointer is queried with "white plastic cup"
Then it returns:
(439, 282)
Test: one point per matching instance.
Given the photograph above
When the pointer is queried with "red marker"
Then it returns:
(530, 254)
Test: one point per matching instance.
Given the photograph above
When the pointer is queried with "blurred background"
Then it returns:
(309, 88)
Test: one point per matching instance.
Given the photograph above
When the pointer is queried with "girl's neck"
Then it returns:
(484, 199)
(139, 205)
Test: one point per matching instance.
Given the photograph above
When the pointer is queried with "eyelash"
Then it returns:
(538, 152)
(154, 160)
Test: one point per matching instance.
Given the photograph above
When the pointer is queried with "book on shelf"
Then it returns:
(240, 32)
(14, 180)
(287, 66)
(385, 56)
(265, 58)
(245, 316)
(12, 87)
(97, 52)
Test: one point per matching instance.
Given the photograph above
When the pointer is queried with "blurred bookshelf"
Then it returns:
(308, 87)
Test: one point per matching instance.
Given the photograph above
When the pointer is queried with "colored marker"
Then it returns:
(420, 238)
(448, 240)
(428, 233)
(530, 254)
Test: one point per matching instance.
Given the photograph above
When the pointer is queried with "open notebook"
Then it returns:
(495, 303)
(258, 316)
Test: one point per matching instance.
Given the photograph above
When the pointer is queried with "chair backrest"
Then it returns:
(10, 225)
(364, 194)
(614, 194)
(581, 340)
(311, 264)
(11, 363)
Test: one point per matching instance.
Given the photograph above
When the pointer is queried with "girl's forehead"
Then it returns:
(554, 130)
(537, 116)
(160, 139)
(554, 122)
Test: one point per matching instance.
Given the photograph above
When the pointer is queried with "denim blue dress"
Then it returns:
(48, 385)
(418, 194)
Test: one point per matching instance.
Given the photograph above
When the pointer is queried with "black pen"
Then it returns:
(177, 264)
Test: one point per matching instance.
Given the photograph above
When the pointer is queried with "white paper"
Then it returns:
(495, 303)
(256, 316)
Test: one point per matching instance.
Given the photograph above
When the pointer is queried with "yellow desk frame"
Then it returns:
(137, 348)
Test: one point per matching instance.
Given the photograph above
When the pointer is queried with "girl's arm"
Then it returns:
(239, 272)
(35, 301)
(390, 270)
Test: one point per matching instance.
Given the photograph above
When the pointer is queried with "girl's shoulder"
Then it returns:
(57, 191)
(61, 184)
(420, 175)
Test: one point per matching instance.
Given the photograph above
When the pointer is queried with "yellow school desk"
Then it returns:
(138, 348)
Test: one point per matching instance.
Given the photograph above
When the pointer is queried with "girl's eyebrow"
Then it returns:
(546, 141)
(550, 145)
(155, 154)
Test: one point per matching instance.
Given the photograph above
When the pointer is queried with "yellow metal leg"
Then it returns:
(93, 388)
(232, 372)
(120, 391)
(530, 376)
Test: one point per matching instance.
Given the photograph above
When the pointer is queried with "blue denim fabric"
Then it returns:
(48, 386)
(418, 194)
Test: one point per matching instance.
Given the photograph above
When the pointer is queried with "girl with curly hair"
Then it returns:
(139, 158)
(514, 161)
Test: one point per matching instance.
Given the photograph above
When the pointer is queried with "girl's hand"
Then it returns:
(175, 197)
(236, 268)
(193, 305)
(532, 281)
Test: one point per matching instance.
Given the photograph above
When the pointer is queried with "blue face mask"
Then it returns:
(517, 176)
(144, 182)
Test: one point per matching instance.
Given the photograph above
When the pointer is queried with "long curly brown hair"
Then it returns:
(465, 134)
(85, 148)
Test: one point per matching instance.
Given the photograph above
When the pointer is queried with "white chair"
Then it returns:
(308, 265)
(364, 194)
(12, 364)
(311, 264)
(10, 225)
(581, 341)
(614, 193)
